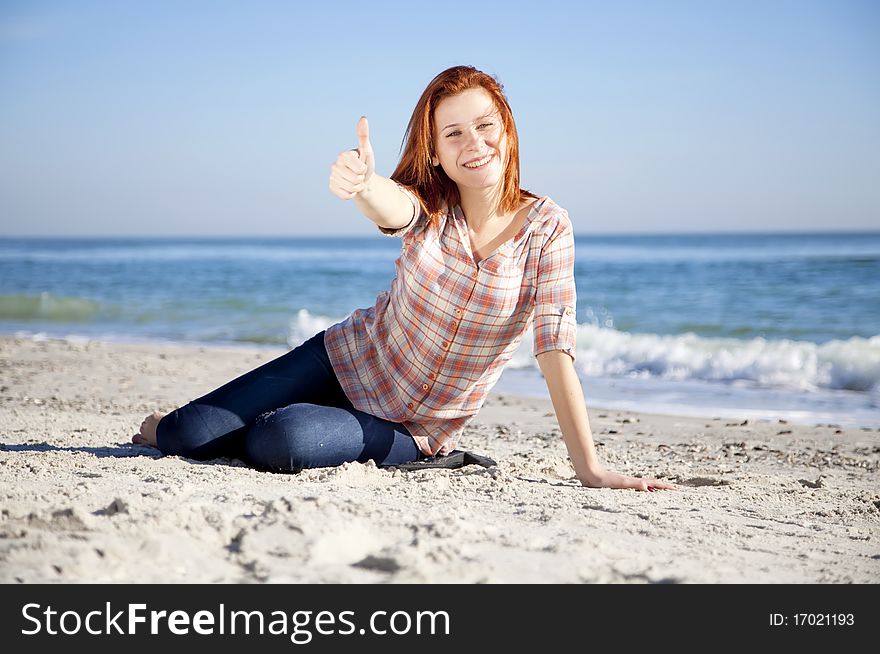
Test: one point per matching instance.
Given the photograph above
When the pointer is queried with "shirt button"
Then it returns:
(411, 405)
(424, 387)
(432, 376)
(458, 312)
(445, 345)
(568, 310)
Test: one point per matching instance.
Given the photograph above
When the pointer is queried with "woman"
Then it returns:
(481, 260)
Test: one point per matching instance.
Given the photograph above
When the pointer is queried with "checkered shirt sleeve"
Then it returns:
(555, 324)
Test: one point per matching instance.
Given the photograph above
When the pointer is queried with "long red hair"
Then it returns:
(431, 184)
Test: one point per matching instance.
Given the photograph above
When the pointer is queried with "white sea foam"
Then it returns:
(853, 364)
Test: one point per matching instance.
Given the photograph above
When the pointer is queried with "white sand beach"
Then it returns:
(757, 501)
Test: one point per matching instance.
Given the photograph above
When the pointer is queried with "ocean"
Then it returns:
(774, 326)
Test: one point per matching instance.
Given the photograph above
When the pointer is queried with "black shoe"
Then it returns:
(455, 459)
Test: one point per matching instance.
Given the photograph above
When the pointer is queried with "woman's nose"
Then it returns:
(474, 138)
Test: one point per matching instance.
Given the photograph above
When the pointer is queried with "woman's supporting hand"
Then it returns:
(351, 172)
(609, 479)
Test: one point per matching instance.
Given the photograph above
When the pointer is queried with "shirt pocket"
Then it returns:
(422, 267)
(505, 293)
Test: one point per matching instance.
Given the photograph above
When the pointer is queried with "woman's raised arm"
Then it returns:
(352, 176)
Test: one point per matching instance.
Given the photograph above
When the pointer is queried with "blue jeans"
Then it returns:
(290, 413)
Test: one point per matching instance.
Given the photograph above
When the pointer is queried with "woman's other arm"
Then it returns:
(380, 199)
(567, 396)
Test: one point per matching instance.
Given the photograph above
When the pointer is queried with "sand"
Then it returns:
(758, 501)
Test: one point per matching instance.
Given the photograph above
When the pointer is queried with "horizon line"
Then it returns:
(817, 232)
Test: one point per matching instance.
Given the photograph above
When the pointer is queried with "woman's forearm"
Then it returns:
(571, 413)
(384, 203)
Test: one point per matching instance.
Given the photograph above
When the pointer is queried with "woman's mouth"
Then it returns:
(482, 163)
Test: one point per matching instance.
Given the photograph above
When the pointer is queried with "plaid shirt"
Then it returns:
(429, 351)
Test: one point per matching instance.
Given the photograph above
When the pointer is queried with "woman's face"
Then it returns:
(468, 128)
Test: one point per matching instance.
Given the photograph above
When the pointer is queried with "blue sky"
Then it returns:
(223, 118)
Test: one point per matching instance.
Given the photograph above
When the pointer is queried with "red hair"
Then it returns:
(431, 184)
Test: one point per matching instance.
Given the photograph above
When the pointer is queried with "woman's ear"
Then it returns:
(435, 161)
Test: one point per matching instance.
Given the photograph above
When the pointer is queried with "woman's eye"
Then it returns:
(457, 132)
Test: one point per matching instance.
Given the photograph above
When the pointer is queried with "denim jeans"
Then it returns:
(290, 413)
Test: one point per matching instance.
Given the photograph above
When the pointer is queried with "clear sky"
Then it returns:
(223, 118)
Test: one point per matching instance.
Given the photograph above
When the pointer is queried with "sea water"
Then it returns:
(776, 326)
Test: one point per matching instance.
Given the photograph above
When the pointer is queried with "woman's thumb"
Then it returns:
(363, 133)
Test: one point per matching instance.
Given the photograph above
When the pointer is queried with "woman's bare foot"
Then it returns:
(147, 435)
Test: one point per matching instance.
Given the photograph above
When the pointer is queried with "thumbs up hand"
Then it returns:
(351, 172)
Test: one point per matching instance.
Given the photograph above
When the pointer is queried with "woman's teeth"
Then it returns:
(480, 163)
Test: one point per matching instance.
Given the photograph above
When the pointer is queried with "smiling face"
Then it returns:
(467, 130)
